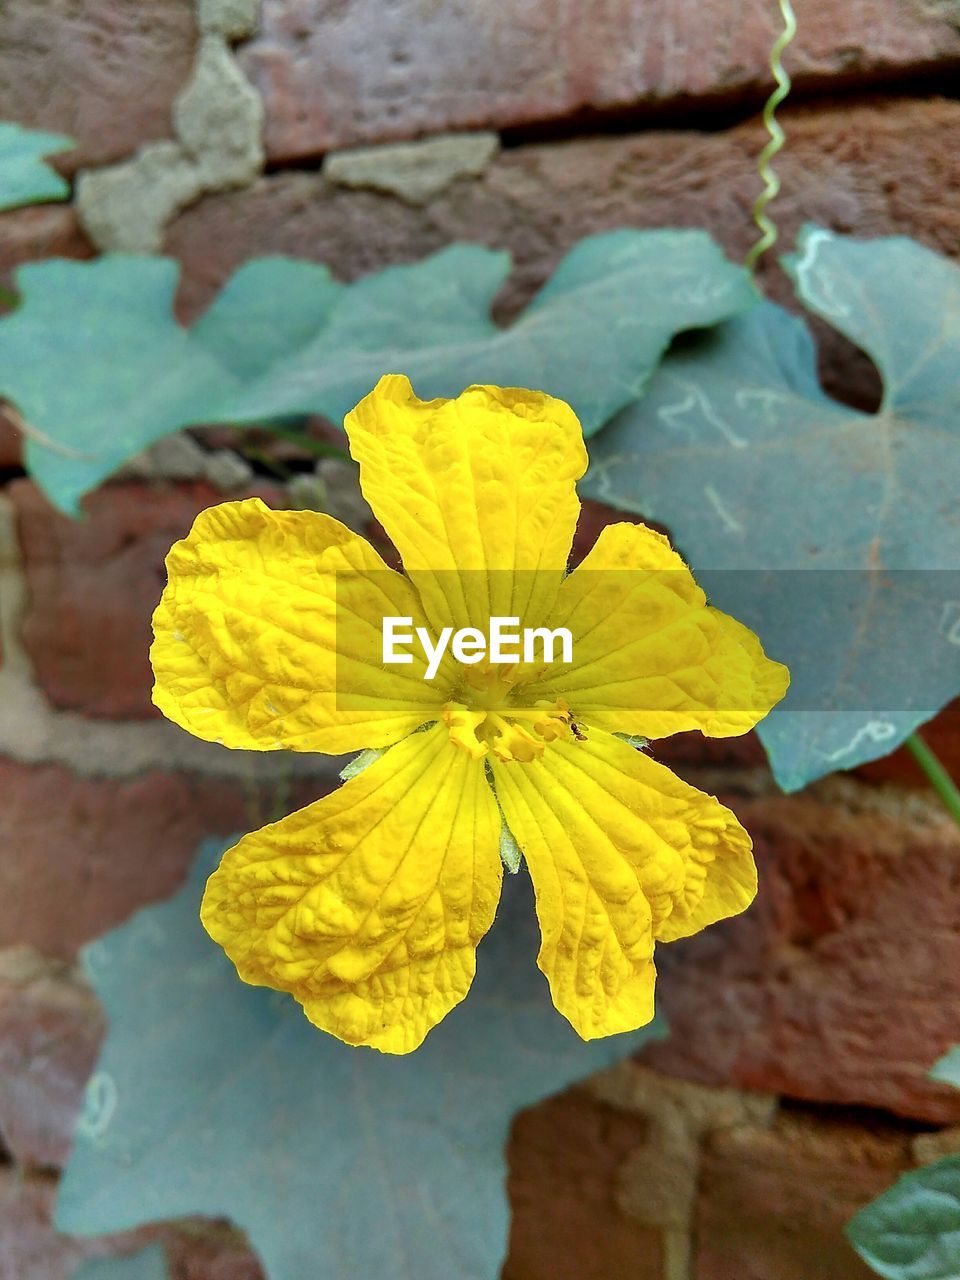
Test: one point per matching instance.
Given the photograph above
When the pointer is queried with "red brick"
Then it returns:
(773, 1203)
(594, 518)
(10, 444)
(104, 72)
(89, 851)
(50, 1031)
(688, 751)
(93, 585)
(361, 73)
(841, 983)
(565, 1159)
(209, 1251)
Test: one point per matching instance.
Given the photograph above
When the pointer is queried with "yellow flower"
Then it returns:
(368, 905)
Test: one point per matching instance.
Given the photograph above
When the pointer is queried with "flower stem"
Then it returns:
(939, 779)
(768, 230)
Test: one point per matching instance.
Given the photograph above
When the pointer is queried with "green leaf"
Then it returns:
(24, 178)
(284, 338)
(148, 1264)
(211, 1097)
(761, 478)
(268, 308)
(912, 1231)
(947, 1069)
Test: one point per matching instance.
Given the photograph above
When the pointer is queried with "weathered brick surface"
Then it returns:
(104, 72)
(50, 1031)
(876, 168)
(89, 851)
(10, 444)
(565, 1159)
(773, 1203)
(209, 1251)
(93, 586)
(339, 74)
(842, 982)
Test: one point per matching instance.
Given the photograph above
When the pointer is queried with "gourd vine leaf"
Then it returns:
(947, 1069)
(147, 1264)
(98, 367)
(215, 1098)
(912, 1231)
(24, 178)
(834, 534)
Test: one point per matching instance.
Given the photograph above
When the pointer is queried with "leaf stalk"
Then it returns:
(936, 774)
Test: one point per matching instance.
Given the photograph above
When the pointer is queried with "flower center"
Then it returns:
(486, 718)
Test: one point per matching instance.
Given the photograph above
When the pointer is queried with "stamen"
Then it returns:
(507, 732)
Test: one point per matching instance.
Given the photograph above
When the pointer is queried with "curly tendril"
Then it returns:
(768, 230)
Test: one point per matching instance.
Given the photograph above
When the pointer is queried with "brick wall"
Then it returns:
(793, 1086)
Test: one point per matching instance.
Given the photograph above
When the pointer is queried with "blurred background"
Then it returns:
(360, 133)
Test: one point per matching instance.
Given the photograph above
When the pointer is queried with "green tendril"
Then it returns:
(768, 230)
(937, 776)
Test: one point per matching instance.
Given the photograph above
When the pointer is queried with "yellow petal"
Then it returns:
(650, 656)
(478, 494)
(368, 905)
(269, 635)
(621, 852)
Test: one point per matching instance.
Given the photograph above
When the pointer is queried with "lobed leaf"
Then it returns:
(763, 479)
(947, 1069)
(912, 1231)
(211, 1097)
(99, 368)
(147, 1264)
(24, 177)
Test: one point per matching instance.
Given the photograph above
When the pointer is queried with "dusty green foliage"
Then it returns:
(912, 1231)
(834, 534)
(24, 176)
(215, 1098)
(285, 338)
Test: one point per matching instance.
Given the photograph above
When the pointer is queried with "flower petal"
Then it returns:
(368, 905)
(621, 852)
(478, 494)
(650, 656)
(269, 635)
